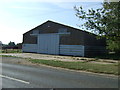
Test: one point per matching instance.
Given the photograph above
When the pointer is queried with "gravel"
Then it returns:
(58, 57)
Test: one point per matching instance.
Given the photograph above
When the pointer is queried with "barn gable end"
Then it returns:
(54, 38)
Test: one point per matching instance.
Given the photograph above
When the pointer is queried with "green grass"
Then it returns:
(85, 66)
(9, 56)
(11, 51)
(92, 67)
(112, 56)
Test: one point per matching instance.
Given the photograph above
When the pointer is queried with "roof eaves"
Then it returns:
(62, 25)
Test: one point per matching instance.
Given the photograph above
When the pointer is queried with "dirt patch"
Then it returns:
(14, 60)
(60, 58)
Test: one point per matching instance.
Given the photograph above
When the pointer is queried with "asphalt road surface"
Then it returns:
(27, 76)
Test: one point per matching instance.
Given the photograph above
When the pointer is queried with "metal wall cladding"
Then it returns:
(48, 43)
(29, 48)
(75, 50)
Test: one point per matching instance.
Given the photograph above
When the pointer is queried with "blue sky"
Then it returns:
(19, 16)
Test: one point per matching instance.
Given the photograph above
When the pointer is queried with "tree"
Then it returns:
(19, 45)
(11, 44)
(105, 21)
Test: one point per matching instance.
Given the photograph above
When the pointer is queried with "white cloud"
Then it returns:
(52, 0)
(30, 8)
(58, 0)
(64, 5)
(70, 5)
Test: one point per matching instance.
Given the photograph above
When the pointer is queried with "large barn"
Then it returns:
(55, 38)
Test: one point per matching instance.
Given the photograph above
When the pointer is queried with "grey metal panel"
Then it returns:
(29, 47)
(48, 43)
(76, 50)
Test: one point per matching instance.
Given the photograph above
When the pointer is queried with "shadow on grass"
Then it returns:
(112, 56)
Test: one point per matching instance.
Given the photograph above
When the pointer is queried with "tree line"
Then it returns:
(12, 45)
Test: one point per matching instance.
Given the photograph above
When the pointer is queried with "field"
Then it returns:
(11, 51)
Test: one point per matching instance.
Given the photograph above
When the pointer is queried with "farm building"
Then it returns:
(55, 38)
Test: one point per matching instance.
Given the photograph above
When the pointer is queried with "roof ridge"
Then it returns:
(62, 25)
(71, 27)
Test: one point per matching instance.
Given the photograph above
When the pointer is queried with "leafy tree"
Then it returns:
(11, 44)
(19, 45)
(105, 21)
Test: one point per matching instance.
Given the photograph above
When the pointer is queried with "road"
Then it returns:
(27, 76)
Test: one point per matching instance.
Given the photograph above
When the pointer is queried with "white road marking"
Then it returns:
(22, 81)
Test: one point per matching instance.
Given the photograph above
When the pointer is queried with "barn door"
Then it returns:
(48, 43)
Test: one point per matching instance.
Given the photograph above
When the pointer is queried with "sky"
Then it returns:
(20, 16)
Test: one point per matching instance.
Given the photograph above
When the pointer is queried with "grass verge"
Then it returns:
(85, 66)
